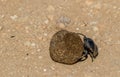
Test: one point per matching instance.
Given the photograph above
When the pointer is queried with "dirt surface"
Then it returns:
(27, 26)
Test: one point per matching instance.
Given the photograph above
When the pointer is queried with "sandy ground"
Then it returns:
(27, 26)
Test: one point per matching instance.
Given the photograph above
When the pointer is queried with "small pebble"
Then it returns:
(118, 42)
(26, 58)
(114, 7)
(33, 44)
(95, 29)
(119, 71)
(93, 23)
(64, 19)
(44, 27)
(40, 57)
(2, 16)
(33, 52)
(46, 21)
(40, 38)
(52, 68)
(23, 76)
(3, 0)
(38, 50)
(77, 29)
(45, 34)
(28, 43)
(14, 17)
(44, 70)
(61, 25)
(1, 28)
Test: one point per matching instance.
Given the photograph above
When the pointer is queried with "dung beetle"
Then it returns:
(68, 48)
(89, 48)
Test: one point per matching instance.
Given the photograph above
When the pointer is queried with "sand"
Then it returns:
(27, 26)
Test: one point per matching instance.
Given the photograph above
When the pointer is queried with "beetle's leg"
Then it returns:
(84, 56)
(91, 55)
(95, 53)
(85, 52)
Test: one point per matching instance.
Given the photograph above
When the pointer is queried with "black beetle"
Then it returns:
(89, 48)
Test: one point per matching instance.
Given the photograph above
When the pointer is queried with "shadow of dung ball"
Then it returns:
(66, 47)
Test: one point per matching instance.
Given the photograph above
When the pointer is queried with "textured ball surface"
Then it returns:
(66, 47)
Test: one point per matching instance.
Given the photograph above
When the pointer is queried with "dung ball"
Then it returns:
(66, 47)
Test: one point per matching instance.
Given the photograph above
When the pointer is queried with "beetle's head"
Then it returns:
(91, 47)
